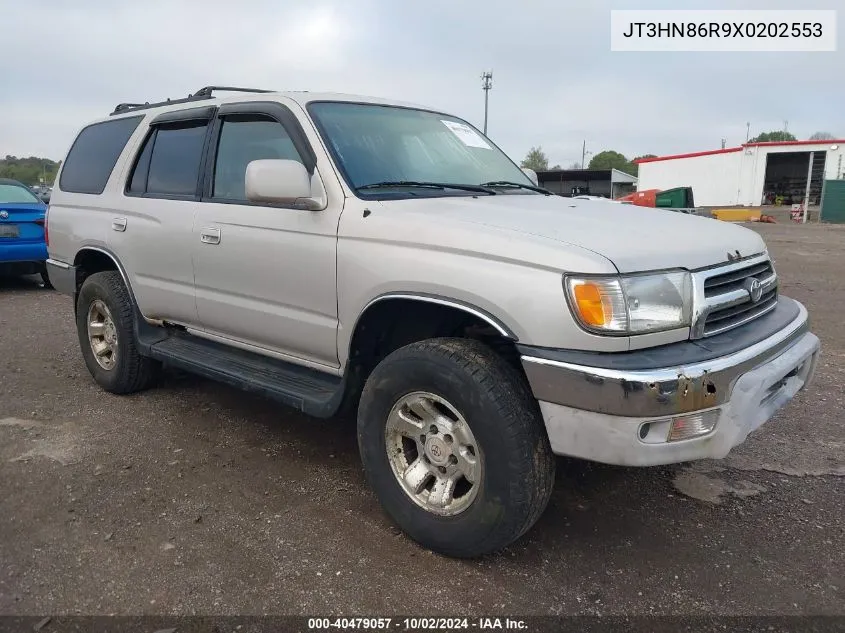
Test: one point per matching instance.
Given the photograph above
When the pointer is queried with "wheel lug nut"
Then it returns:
(453, 460)
(432, 429)
(448, 438)
(422, 438)
(442, 469)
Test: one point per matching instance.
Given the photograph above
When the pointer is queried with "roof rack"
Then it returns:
(206, 92)
(199, 95)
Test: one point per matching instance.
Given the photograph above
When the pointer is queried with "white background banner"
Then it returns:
(723, 31)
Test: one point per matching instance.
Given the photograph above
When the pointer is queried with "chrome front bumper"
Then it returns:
(622, 416)
(655, 392)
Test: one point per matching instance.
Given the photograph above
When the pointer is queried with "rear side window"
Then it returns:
(169, 163)
(138, 183)
(94, 153)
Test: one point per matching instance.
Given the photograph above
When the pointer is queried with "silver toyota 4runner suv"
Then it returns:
(341, 253)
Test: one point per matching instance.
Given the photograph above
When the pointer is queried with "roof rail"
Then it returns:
(132, 107)
(120, 107)
(206, 92)
(199, 95)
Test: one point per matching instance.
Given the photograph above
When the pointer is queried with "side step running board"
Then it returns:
(313, 392)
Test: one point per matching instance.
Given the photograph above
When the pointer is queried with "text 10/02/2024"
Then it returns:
(418, 624)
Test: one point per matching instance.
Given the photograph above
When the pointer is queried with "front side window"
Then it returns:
(382, 144)
(245, 138)
(174, 159)
(16, 194)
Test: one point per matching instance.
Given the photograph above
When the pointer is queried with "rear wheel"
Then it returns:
(104, 323)
(454, 446)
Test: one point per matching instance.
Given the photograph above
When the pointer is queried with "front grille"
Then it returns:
(733, 280)
(727, 300)
(728, 318)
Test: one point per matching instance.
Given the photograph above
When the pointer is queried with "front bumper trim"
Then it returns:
(655, 392)
(756, 396)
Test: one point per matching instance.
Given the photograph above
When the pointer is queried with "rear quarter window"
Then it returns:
(94, 153)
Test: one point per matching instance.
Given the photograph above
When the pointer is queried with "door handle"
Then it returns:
(118, 224)
(209, 235)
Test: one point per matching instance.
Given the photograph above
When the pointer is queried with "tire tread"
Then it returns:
(522, 425)
(136, 372)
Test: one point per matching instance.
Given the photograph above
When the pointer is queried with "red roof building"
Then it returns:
(750, 175)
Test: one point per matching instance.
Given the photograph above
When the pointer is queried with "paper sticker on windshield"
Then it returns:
(466, 134)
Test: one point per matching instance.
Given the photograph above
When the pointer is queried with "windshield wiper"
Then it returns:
(506, 184)
(427, 185)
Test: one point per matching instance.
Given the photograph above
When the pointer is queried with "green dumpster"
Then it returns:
(833, 201)
(678, 198)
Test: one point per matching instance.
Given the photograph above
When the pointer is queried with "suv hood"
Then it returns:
(634, 238)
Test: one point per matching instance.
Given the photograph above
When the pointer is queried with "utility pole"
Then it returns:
(584, 153)
(486, 85)
(806, 205)
(747, 131)
(724, 142)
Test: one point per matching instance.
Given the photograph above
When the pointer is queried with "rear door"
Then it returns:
(21, 224)
(151, 233)
(265, 275)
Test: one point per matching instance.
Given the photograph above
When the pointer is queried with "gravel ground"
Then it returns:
(194, 498)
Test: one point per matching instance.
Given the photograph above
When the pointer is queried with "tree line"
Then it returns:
(537, 160)
(30, 171)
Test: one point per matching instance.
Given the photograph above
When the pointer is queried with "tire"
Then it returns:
(517, 464)
(129, 371)
(45, 279)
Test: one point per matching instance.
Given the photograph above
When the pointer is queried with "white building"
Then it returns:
(751, 175)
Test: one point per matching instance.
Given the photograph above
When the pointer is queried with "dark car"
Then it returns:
(43, 192)
(23, 250)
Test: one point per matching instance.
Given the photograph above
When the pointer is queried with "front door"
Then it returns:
(265, 276)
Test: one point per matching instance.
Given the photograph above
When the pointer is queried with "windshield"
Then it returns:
(387, 144)
(10, 194)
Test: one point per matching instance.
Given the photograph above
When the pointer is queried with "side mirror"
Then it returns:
(279, 182)
(532, 175)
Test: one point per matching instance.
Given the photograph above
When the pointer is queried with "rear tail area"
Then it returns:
(22, 236)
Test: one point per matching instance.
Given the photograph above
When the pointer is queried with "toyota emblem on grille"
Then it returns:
(755, 289)
(4, 214)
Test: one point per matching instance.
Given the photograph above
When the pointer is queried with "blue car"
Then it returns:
(23, 249)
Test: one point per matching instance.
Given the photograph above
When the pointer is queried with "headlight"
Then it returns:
(633, 304)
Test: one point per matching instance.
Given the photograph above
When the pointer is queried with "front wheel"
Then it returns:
(454, 446)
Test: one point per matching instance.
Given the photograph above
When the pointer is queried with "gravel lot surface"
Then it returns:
(194, 498)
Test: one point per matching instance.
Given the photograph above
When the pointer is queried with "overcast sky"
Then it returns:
(556, 82)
